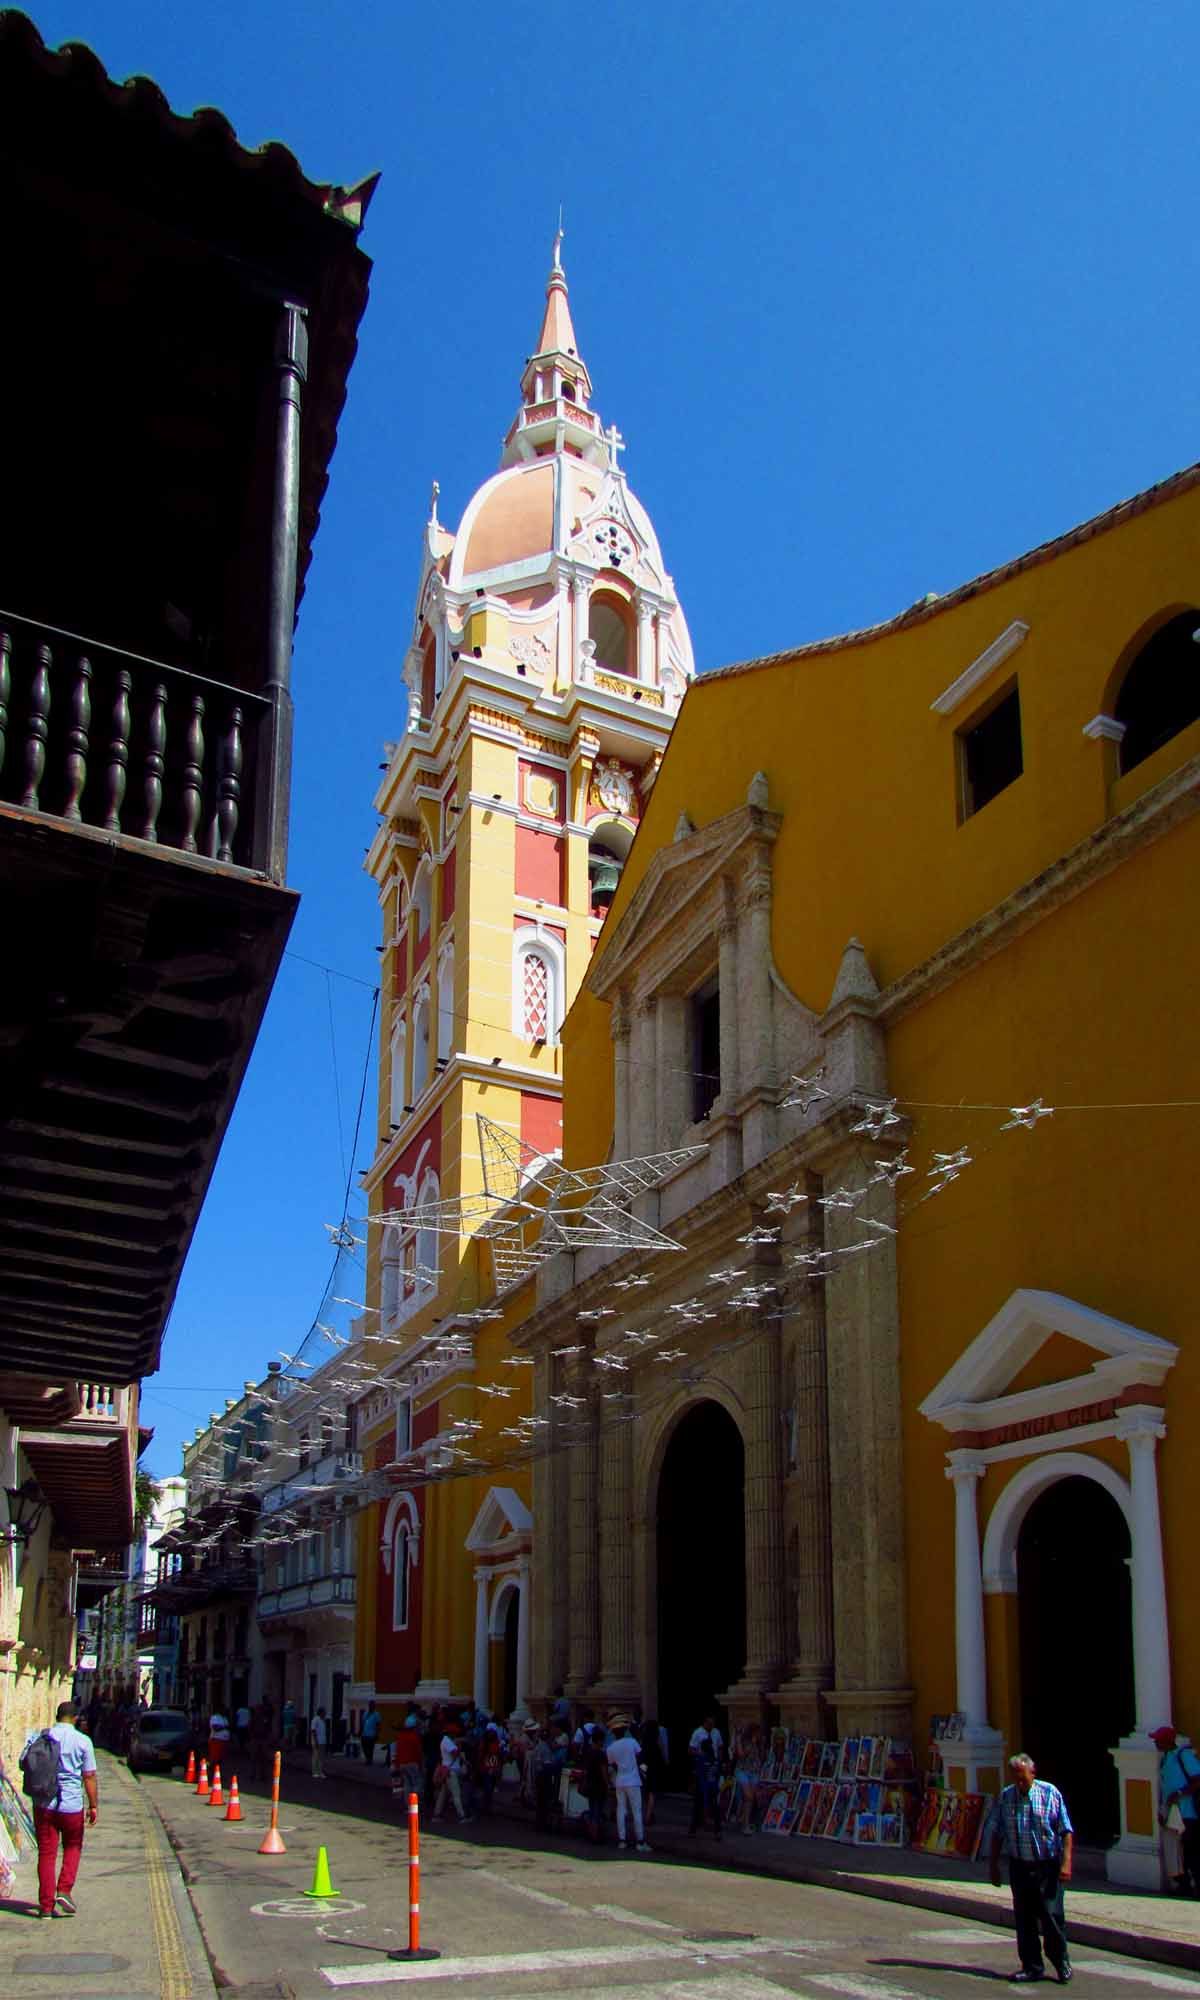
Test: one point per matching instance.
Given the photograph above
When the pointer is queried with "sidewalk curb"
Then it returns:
(204, 1986)
(944, 1899)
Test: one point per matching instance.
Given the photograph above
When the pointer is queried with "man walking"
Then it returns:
(706, 1749)
(58, 1812)
(625, 1769)
(1031, 1825)
(318, 1737)
(370, 1732)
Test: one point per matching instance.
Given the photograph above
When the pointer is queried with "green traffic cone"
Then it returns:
(321, 1884)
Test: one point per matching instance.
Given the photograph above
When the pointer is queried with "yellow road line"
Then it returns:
(175, 1980)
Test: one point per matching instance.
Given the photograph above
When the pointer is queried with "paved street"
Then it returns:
(514, 1917)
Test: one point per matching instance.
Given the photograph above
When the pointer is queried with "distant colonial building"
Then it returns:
(548, 658)
(923, 1446)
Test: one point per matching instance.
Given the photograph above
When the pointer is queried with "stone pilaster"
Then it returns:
(763, 1437)
(584, 1631)
(617, 1682)
(806, 1442)
(550, 1574)
(872, 1690)
(619, 1026)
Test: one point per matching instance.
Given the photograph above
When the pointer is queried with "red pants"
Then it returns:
(50, 1824)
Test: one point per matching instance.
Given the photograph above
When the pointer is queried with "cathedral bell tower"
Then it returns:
(547, 661)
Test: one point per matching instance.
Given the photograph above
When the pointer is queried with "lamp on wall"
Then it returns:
(26, 1505)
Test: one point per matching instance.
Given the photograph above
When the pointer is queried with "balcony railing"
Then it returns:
(101, 1403)
(313, 1594)
(113, 740)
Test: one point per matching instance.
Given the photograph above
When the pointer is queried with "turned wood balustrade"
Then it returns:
(130, 745)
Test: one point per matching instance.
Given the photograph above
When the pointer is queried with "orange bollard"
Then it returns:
(189, 1776)
(235, 1805)
(415, 1948)
(202, 1787)
(216, 1797)
(272, 1842)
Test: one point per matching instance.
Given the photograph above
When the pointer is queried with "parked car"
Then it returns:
(158, 1738)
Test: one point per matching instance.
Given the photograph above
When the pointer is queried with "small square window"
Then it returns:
(989, 753)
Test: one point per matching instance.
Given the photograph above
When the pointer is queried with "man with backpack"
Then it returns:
(59, 1766)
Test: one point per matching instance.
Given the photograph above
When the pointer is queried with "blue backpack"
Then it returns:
(41, 1763)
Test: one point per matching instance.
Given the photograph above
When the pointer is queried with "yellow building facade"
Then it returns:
(904, 943)
(548, 659)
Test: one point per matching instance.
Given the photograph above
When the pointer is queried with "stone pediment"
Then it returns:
(1093, 1358)
(502, 1517)
(687, 875)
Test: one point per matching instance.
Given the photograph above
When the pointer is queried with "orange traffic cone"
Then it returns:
(235, 1804)
(216, 1797)
(273, 1839)
(189, 1776)
(202, 1787)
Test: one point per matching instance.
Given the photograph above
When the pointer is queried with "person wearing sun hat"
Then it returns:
(1179, 1785)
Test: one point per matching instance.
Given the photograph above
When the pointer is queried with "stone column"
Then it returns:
(550, 1573)
(807, 1504)
(645, 650)
(481, 1693)
(872, 1694)
(727, 948)
(620, 1023)
(763, 1439)
(584, 1626)
(1135, 1857)
(673, 1064)
(579, 627)
(616, 1682)
(974, 1761)
(522, 1707)
(643, 1079)
(755, 999)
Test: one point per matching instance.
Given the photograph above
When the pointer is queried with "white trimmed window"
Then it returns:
(399, 1059)
(539, 985)
(445, 994)
(423, 897)
(422, 1041)
(401, 1559)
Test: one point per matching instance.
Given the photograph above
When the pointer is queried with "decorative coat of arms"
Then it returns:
(614, 788)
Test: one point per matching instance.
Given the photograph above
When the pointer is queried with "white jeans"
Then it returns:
(629, 1800)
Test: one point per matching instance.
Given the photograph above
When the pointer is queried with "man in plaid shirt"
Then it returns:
(1031, 1825)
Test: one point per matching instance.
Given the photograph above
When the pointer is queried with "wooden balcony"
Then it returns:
(188, 318)
(85, 1468)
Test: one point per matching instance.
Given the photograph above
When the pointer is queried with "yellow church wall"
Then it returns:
(1093, 1006)
(852, 752)
(1093, 1204)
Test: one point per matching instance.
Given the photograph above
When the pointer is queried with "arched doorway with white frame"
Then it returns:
(501, 1540)
(1043, 1433)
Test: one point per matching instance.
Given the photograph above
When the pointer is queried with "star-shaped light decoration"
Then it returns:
(893, 1170)
(531, 1206)
(784, 1200)
(760, 1236)
(877, 1118)
(947, 1167)
(1027, 1115)
(805, 1090)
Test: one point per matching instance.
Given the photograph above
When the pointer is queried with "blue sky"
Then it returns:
(879, 298)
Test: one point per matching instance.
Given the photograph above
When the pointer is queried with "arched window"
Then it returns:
(401, 1560)
(445, 1025)
(401, 912)
(539, 986)
(422, 896)
(609, 842)
(428, 675)
(422, 1045)
(399, 1062)
(1160, 694)
(427, 1270)
(610, 625)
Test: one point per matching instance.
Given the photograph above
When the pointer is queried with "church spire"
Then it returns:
(555, 386)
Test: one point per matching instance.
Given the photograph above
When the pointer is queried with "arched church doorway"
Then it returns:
(509, 1611)
(1076, 1641)
(701, 1548)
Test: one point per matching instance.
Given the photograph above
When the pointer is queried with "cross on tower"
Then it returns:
(616, 443)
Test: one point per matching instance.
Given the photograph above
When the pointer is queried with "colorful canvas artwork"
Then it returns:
(848, 1761)
(815, 1807)
(780, 1800)
(950, 1823)
(899, 1761)
(830, 1758)
(866, 1750)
